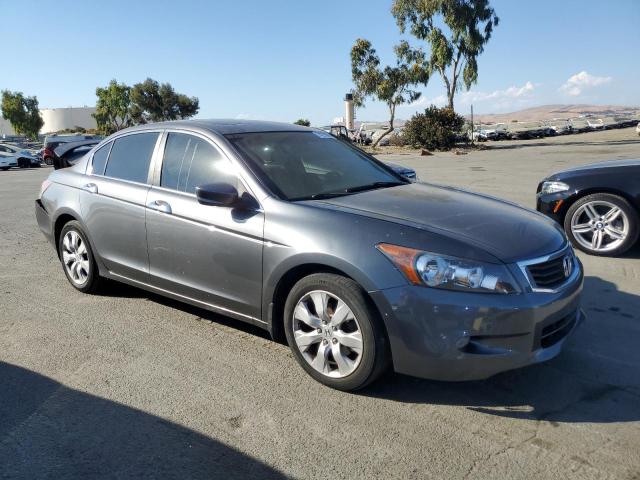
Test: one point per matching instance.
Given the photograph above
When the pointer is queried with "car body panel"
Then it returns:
(501, 229)
(189, 252)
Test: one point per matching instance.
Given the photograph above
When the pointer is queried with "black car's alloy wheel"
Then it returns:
(602, 224)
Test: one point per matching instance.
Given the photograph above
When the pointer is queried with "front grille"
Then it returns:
(549, 274)
(551, 333)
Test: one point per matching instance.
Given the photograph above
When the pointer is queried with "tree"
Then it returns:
(454, 52)
(154, 102)
(22, 113)
(391, 85)
(436, 128)
(113, 108)
(302, 121)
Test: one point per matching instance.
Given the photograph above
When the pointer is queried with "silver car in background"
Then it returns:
(297, 232)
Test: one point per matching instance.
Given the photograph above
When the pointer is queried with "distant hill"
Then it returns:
(548, 112)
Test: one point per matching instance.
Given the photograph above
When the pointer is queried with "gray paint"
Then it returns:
(231, 261)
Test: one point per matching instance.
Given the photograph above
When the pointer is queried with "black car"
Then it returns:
(597, 204)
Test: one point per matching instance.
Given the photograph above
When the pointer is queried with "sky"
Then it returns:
(286, 59)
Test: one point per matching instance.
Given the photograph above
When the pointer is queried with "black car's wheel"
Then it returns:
(602, 224)
(23, 163)
(334, 333)
(77, 259)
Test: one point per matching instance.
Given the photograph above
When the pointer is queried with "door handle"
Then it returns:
(90, 187)
(160, 206)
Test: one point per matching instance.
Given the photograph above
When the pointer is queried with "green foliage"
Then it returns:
(302, 121)
(22, 113)
(436, 128)
(113, 107)
(75, 129)
(454, 49)
(154, 102)
(391, 84)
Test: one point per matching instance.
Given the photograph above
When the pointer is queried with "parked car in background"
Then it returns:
(68, 154)
(341, 132)
(51, 142)
(22, 157)
(308, 237)
(598, 205)
(638, 128)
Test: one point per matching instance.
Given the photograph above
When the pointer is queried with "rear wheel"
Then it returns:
(77, 259)
(334, 333)
(602, 224)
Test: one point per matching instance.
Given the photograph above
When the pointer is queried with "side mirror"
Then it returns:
(217, 194)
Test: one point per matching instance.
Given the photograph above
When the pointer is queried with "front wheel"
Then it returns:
(602, 224)
(334, 333)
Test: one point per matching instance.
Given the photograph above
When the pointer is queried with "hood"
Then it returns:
(505, 230)
(595, 167)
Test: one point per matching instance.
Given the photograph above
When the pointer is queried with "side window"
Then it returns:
(130, 157)
(100, 159)
(190, 161)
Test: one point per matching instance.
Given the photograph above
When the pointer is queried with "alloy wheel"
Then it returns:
(600, 226)
(327, 334)
(75, 257)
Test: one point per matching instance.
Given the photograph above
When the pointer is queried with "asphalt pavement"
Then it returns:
(128, 384)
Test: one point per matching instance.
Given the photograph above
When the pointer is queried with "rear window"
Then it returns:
(130, 157)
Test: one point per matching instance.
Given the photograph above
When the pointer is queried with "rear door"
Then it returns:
(209, 254)
(113, 202)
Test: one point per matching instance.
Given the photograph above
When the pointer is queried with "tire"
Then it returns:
(86, 279)
(355, 370)
(23, 163)
(597, 213)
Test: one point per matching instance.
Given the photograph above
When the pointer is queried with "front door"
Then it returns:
(206, 253)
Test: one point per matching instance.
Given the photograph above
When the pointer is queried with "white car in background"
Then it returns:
(14, 156)
(638, 128)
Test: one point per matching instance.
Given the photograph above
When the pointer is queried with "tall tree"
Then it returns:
(468, 25)
(154, 102)
(22, 113)
(391, 84)
(113, 107)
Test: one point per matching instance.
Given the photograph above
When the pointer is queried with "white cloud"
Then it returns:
(498, 98)
(581, 81)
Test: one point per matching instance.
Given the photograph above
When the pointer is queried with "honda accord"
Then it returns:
(292, 230)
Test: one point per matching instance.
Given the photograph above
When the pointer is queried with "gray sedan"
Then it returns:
(294, 231)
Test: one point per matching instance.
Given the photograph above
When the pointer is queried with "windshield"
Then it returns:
(307, 165)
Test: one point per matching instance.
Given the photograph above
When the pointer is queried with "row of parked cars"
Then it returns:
(529, 130)
(56, 150)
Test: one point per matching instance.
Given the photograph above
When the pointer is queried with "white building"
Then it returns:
(56, 119)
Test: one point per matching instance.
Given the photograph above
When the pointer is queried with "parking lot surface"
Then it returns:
(128, 384)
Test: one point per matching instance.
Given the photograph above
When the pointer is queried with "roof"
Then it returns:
(226, 126)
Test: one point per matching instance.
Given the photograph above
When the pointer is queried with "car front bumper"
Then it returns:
(455, 336)
(554, 205)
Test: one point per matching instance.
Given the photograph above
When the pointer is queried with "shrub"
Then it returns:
(396, 140)
(435, 129)
(302, 121)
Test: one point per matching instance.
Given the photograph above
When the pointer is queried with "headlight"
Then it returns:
(554, 187)
(440, 271)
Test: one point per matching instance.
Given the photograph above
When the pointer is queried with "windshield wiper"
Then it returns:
(348, 191)
(372, 186)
